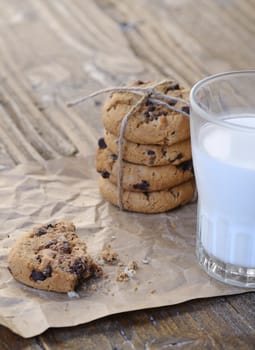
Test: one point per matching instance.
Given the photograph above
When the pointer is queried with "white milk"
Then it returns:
(225, 172)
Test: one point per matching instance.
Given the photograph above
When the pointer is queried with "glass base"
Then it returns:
(235, 275)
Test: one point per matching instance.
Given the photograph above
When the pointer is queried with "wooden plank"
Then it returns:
(221, 37)
(6, 161)
(9, 132)
(178, 47)
(159, 46)
(30, 119)
(11, 341)
(200, 324)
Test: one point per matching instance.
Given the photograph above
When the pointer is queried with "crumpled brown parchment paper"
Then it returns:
(163, 245)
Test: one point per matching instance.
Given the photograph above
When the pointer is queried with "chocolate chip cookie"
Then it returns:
(141, 178)
(149, 202)
(51, 257)
(150, 155)
(150, 123)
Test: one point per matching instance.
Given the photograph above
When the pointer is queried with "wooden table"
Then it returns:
(55, 50)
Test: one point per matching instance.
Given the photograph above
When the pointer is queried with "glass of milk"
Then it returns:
(223, 148)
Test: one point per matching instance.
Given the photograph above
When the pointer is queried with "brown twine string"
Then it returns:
(147, 94)
(137, 90)
(121, 147)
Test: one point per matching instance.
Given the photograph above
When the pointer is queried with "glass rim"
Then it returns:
(195, 106)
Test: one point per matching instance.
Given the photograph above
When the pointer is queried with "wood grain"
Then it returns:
(52, 51)
(55, 50)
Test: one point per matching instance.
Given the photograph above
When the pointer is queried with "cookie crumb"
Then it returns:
(129, 272)
(122, 277)
(109, 256)
(132, 265)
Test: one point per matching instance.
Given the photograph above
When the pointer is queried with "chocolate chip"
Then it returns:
(154, 115)
(186, 166)
(50, 226)
(173, 133)
(171, 102)
(159, 114)
(148, 102)
(186, 109)
(152, 156)
(78, 267)
(174, 86)
(114, 156)
(48, 271)
(147, 195)
(65, 248)
(101, 143)
(105, 174)
(164, 152)
(40, 232)
(144, 185)
(151, 108)
(50, 245)
(37, 275)
(139, 82)
(39, 258)
(178, 157)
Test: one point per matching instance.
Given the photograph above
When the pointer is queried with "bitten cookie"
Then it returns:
(150, 155)
(51, 257)
(151, 123)
(140, 178)
(149, 202)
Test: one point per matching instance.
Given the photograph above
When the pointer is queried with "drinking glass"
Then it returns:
(222, 122)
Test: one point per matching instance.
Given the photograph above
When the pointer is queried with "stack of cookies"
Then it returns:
(156, 163)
